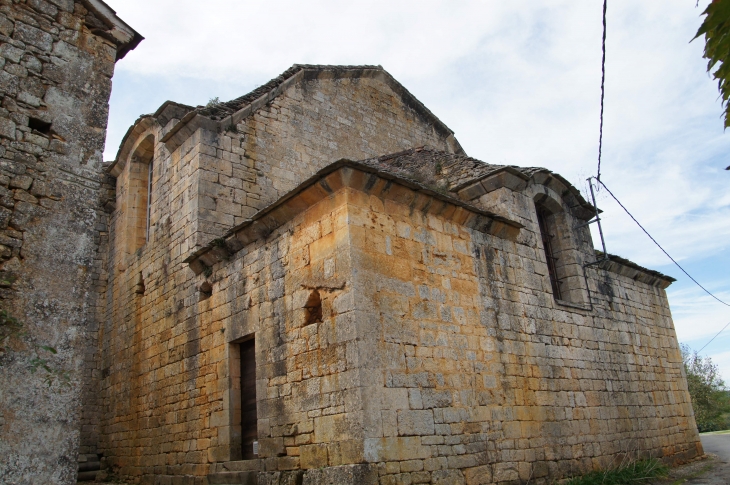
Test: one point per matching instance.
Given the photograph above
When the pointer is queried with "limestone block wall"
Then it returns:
(151, 321)
(497, 382)
(55, 82)
(205, 186)
(469, 370)
(441, 354)
(167, 357)
(308, 375)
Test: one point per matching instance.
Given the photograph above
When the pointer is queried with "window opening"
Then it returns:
(314, 308)
(40, 126)
(139, 287)
(206, 290)
(545, 234)
(149, 199)
(249, 418)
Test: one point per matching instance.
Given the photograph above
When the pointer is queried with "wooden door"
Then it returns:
(249, 432)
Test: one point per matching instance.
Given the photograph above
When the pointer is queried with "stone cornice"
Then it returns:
(124, 36)
(629, 269)
(355, 175)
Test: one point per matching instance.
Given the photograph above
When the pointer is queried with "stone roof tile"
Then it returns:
(449, 171)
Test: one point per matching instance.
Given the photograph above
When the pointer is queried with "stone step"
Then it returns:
(233, 478)
(236, 466)
(88, 457)
(87, 476)
(89, 466)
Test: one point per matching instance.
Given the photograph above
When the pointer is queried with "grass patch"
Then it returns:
(629, 474)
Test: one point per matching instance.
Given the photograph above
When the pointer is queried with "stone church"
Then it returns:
(314, 284)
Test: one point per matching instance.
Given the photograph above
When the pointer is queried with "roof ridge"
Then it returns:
(221, 110)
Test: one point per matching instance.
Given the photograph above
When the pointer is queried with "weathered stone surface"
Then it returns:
(342, 475)
(51, 230)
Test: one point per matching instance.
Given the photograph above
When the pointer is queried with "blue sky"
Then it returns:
(519, 83)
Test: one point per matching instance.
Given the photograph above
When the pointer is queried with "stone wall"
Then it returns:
(488, 380)
(310, 125)
(55, 82)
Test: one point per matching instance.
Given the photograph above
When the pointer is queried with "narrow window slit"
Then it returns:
(139, 287)
(314, 308)
(206, 290)
(547, 245)
(149, 199)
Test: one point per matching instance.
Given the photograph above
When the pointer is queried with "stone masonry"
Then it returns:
(410, 322)
(57, 58)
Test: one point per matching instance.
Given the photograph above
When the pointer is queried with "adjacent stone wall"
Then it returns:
(55, 82)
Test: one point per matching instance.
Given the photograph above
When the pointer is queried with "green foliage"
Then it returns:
(710, 398)
(627, 474)
(725, 418)
(9, 327)
(51, 374)
(716, 29)
(213, 102)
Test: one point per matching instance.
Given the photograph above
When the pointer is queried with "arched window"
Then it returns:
(547, 235)
(560, 247)
(140, 194)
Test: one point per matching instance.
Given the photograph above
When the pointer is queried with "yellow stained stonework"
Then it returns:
(405, 326)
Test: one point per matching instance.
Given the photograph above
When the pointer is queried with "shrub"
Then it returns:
(710, 398)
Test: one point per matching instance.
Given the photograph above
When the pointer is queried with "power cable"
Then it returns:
(659, 245)
(673, 261)
(603, 90)
(713, 338)
(598, 179)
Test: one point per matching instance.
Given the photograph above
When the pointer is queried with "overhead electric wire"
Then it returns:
(598, 178)
(659, 245)
(603, 90)
(713, 338)
(673, 261)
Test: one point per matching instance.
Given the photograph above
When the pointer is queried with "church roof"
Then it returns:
(220, 116)
(221, 110)
(308, 71)
(455, 173)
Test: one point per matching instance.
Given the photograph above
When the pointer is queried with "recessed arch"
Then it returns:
(140, 167)
(556, 234)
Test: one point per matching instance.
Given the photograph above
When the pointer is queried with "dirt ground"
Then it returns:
(713, 470)
(709, 471)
